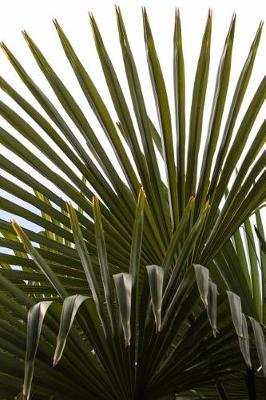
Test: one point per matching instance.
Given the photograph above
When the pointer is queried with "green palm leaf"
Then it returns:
(152, 284)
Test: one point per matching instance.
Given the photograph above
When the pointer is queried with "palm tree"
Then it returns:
(134, 286)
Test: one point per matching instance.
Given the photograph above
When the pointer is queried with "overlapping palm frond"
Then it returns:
(134, 286)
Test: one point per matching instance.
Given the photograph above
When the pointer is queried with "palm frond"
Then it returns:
(135, 283)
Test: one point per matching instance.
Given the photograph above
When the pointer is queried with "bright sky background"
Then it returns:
(36, 18)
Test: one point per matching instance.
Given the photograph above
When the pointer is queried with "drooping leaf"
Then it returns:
(260, 343)
(244, 342)
(123, 286)
(202, 278)
(212, 307)
(36, 316)
(236, 312)
(155, 276)
(70, 308)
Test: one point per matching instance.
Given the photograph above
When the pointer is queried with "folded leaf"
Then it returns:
(236, 312)
(212, 306)
(70, 308)
(260, 343)
(123, 286)
(155, 276)
(34, 327)
(244, 342)
(202, 278)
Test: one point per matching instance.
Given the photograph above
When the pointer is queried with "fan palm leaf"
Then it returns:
(133, 286)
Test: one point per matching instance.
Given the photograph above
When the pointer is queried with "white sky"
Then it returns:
(36, 18)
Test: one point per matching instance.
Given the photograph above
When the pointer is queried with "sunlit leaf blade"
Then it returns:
(164, 117)
(143, 123)
(125, 120)
(99, 108)
(48, 217)
(197, 108)
(71, 108)
(156, 137)
(235, 107)
(240, 140)
(179, 93)
(222, 81)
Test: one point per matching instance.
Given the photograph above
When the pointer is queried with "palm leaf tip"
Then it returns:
(21, 235)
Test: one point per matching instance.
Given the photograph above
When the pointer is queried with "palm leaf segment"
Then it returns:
(141, 316)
